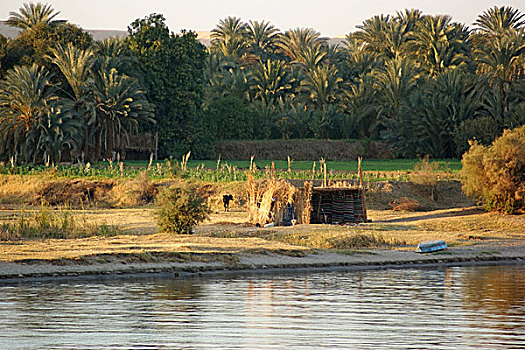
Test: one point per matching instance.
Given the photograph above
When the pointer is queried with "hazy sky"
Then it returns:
(330, 17)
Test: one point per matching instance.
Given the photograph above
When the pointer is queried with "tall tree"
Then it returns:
(32, 14)
(75, 66)
(26, 95)
(295, 41)
(394, 82)
(438, 44)
(498, 20)
(172, 66)
(385, 37)
(499, 51)
(322, 85)
(52, 135)
(261, 38)
(271, 82)
(120, 104)
(229, 37)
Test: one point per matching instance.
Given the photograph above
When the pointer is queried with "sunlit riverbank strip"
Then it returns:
(116, 267)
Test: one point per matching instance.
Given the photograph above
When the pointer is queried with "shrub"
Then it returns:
(180, 208)
(495, 174)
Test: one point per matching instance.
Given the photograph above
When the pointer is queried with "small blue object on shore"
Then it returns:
(431, 246)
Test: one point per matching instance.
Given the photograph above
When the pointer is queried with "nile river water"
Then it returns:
(450, 308)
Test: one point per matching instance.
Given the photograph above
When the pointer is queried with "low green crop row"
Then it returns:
(222, 171)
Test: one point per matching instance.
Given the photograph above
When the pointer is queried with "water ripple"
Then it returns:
(454, 308)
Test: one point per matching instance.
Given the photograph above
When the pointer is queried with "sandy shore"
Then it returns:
(263, 262)
(228, 244)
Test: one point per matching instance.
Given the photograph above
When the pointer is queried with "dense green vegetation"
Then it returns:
(495, 174)
(423, 83)
(226, 171)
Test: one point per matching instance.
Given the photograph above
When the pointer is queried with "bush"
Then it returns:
(495, 174)
(180, 208)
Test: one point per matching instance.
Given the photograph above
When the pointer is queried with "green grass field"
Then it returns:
(226, 171)
(452, 165)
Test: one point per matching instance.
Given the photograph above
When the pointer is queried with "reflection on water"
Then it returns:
(498, 291)
(454, 308)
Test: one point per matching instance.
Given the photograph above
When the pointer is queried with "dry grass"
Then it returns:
(380, 195)
(405, 204)
(229, 233)
(134, 193)
(20, 189)
(453, 219)
(84, 193)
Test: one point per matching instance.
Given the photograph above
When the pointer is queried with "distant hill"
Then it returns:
(7, 31)
(101, 34)
(98, 34)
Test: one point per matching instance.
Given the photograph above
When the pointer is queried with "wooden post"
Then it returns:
(361, 185)
(273, 170)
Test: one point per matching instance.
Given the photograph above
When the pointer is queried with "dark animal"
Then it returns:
(226, 199)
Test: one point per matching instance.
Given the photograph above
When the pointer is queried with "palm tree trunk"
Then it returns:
(110, 140)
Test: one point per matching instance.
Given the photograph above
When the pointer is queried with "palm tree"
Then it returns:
(261, 37)
(498, 20)
(359, 61)
(438, 44)
(120, 104)
(295, 41)
(112, 47)
(409, 18)
(394, 83)
(384, 37)
(322, 85)
(233, 82)
(54, 133)
(359, 102)
(32, 14)
(26, 96)
(229, 37)
(312, 57)
(295, 119)
(502, 57)
(271, 81)
(499, 51)
(75, 65)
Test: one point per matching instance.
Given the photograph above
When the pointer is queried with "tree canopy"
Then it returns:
(424, 84)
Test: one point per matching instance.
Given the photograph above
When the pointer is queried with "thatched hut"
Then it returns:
(269, 198)
(337, 205)
(278, 202)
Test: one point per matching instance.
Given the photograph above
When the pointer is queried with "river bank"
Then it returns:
(227, 243)
(118, 266)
